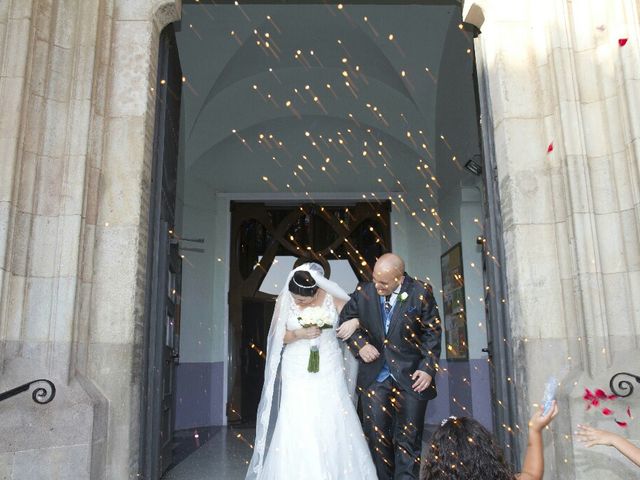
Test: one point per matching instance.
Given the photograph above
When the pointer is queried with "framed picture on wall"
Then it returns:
(454, 305)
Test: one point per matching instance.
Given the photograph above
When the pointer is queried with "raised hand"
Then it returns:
(538, 421)
(592, 436)
(422, 381)
(347, 329)
(533, 465)
(368, 353)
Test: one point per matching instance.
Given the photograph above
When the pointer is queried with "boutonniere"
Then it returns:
(404, 296)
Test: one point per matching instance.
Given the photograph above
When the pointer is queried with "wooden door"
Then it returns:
(162, 309)
(256, 318)
(359, 233)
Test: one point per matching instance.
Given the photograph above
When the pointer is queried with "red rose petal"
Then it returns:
(595, 402)
(600, 394)
(606, 411)
(621, 424)
(550, 148)
(588, 395)
(622, 41)
(612, 397)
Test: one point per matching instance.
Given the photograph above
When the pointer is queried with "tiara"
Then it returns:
(452, 417)
(303, 286)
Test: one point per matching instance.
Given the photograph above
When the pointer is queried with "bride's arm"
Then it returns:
(360, 336)
(348, 327)
(290, 336)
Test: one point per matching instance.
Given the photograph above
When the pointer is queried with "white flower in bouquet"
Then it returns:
(314, 317)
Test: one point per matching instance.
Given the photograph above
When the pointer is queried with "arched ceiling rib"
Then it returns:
(244, 106)
(398, 53)
(347, 167)
(319, 49)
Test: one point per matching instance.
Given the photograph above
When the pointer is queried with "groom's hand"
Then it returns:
(422, 381)
(368, 353)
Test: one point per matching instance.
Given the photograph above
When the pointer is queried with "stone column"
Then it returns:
(46, 65)
(76, 131)
(115, 337)
(565, 111)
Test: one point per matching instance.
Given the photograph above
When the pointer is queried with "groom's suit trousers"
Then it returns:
(393, 420)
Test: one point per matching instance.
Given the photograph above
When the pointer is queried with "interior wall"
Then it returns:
(230, 169)
(201, 373)
(479, 375)
(464, 386)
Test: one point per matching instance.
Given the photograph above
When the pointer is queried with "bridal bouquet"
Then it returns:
(314, 317)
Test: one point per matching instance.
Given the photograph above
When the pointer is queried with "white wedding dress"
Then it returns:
(317, 435)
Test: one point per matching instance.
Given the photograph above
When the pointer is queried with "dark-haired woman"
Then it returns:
(307, 426)
(462, 449)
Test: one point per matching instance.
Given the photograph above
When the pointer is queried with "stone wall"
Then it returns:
(76, 130)
(557, 74)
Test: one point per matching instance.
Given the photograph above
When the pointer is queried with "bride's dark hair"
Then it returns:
(462, 449)
(303, 284)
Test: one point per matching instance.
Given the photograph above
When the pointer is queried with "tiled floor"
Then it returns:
(224, 456)
(224, 453)
(185, 442)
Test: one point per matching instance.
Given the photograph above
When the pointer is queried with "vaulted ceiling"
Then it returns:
(327, 99)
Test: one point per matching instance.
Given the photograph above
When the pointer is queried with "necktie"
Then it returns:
(387, 307)
(385, 372)
(387, 312)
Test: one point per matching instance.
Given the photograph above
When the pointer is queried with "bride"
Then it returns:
(307, 426)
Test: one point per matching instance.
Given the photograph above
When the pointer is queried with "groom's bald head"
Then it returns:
(390, 262)
(388, 273)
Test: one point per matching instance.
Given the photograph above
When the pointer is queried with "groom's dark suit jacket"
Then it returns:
(412, 342)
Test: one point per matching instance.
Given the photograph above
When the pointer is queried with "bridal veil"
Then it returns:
(270, 398)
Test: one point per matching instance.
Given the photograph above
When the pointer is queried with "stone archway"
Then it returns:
(498, 320)
(73, 212)
(122, 223)
(196, 230)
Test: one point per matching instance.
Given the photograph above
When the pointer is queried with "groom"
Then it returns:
(398, 345)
